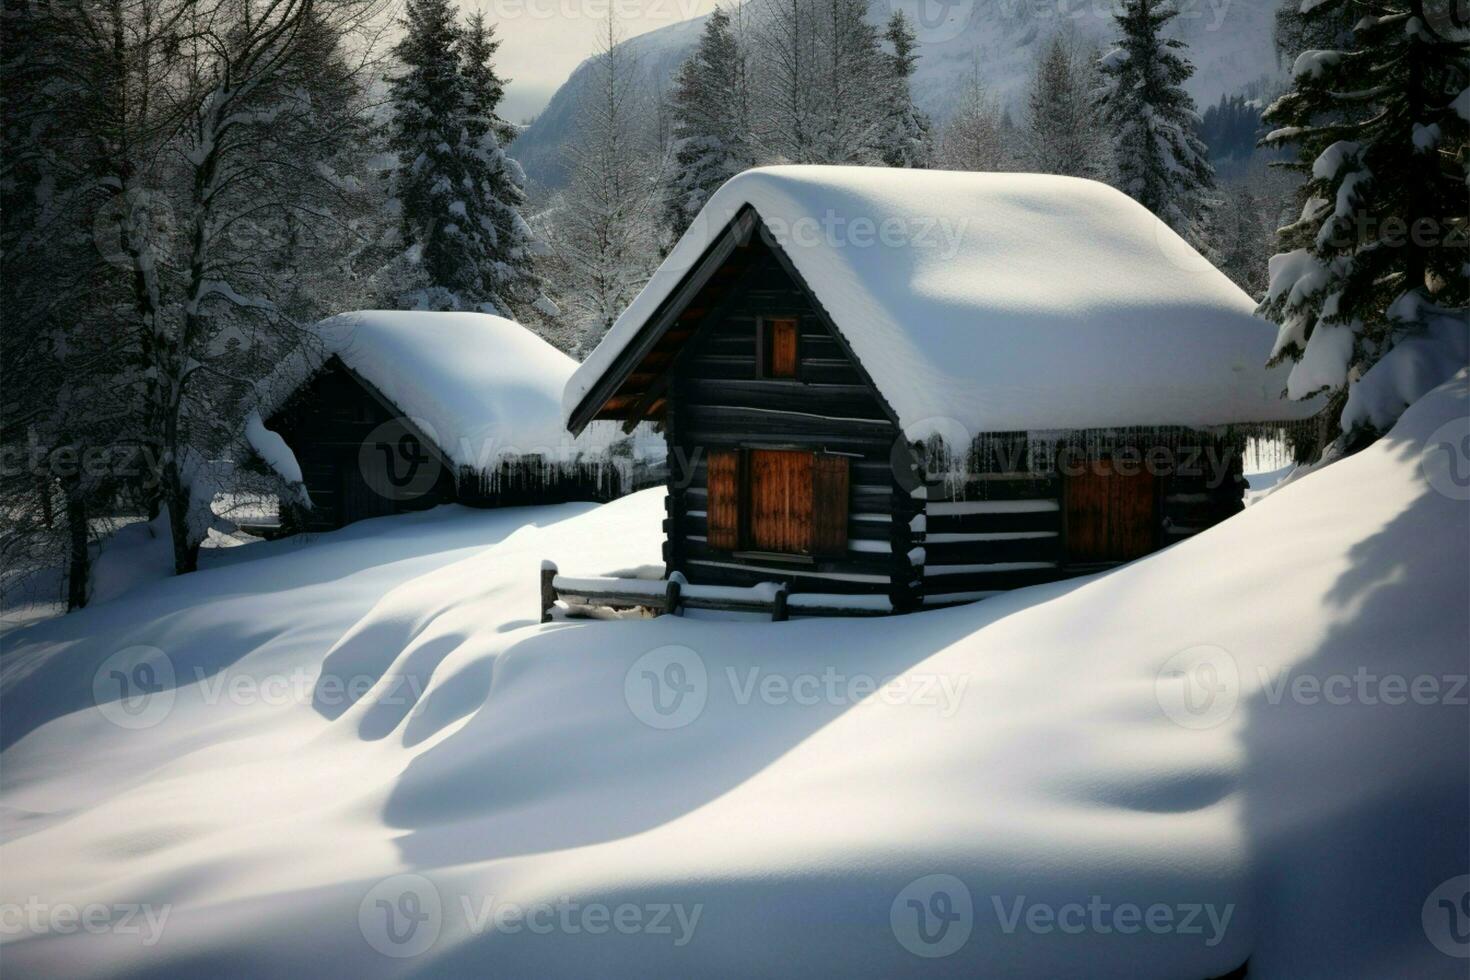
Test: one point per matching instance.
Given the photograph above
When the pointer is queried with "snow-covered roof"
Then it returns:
(997, 302)
(482, 387)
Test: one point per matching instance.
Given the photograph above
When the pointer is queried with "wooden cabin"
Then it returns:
(389, 412)
(933, 426)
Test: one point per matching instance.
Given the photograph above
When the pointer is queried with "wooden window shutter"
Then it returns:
(780, 342)
(722, 508)
(829, 504)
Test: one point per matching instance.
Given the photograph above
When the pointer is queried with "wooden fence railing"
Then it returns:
(673, 595)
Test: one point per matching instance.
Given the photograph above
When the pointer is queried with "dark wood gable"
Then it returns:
(743, 260)
(780, 446)
(359, 456)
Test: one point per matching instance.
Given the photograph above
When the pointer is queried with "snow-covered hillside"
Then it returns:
(361, 756)
(1230, 45)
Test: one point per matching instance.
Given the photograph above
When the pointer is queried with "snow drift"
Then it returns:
(362, 757)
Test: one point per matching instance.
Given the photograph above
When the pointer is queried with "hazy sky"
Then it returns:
(543, 40)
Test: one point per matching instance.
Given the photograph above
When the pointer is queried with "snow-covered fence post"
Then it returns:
(671, 594)
(778, 604)
(548, 589)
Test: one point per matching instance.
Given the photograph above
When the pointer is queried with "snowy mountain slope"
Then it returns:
(1230, 46)
(540, 148)
(1153, 772)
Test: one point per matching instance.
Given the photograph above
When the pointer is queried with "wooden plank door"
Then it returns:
(1111, 516)
(781, 501)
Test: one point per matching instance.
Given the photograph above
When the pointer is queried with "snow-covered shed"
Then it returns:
(935, 385)
(387, 411)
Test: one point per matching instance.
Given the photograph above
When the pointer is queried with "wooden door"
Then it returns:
(362, 492)
(781, 501)
(1111, 516)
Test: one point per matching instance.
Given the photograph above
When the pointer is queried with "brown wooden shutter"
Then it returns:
(1110, 515)
(781, 347)
(722, 509)
(829, 504)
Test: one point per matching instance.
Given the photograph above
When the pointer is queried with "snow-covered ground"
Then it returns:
(360, 755)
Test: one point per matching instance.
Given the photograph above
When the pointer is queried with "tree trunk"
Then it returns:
(79, 568)
(186, 555)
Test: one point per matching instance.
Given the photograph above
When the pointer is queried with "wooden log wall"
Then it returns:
(718, 399)
(1006, 524)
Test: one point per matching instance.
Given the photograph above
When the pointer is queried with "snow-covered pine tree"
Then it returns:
(1160, 160)
(905, 139)
(1378, 256)
(709, 123)
(1063, 129)
(441, 222)
(510, 282)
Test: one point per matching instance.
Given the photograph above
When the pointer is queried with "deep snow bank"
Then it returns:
(375, 763)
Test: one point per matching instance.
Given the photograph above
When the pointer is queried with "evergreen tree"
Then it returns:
(510, 283)
(1378, 122)
(1064, 134)
(436, 177)
(1160, 161)
(906, 140)
(486, 89)
(1231, 128)
(709, 125)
